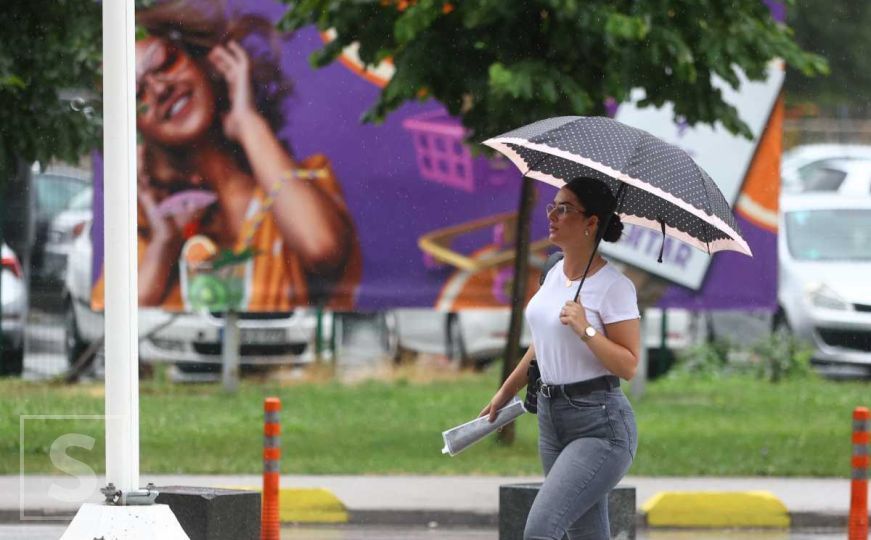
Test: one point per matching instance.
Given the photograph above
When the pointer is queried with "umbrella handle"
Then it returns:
(662, 247)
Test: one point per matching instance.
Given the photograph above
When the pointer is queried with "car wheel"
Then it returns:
(74, 346)
(780, 324)
(13, 361)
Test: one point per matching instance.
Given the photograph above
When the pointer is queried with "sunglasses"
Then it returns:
(165, 60)
(562, 209)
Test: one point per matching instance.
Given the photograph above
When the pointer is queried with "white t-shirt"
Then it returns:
(607, 296)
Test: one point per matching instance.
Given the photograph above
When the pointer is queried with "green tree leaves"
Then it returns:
(501, 64)
(837, 29)
(50, 57)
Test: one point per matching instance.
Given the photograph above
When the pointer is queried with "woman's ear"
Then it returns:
(594, 222)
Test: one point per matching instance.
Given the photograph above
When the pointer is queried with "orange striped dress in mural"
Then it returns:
(277, 279)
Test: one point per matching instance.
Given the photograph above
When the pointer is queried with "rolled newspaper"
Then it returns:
(465, 435)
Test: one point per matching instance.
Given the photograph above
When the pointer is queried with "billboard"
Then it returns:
(259, 188)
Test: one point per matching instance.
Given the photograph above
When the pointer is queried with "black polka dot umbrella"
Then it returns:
(657, 184)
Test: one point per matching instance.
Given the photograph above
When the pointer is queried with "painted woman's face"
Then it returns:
(175, 100)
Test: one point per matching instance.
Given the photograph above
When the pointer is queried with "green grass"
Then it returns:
(734, 426)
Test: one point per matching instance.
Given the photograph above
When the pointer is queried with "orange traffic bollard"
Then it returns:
(270, 528)
(859, 485)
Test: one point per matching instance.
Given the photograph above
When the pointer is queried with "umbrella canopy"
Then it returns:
(657, 184)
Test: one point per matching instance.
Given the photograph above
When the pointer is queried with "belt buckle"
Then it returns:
(545, 390)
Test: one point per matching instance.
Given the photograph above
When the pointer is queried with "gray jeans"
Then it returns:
(586, 446)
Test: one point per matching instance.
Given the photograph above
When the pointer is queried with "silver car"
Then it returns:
(824, 253)
(14, 296)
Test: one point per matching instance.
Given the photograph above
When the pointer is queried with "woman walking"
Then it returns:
(587, 432)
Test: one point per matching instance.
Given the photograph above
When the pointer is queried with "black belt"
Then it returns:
(605, 382)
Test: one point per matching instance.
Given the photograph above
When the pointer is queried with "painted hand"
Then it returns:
(233, 63)
(161, 229)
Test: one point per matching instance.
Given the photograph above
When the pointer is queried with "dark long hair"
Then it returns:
(199, 25)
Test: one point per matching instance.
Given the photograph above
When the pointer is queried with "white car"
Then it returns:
(478, 336)
(53, 191)
(824, 256)
(468, 337)
(190, 341)
(14, 296)
(800, 163)
(63, 229)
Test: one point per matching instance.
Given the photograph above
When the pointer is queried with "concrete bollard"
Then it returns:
(515, 501)
(213, 513)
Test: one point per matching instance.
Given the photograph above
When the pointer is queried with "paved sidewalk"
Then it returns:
(459, 500)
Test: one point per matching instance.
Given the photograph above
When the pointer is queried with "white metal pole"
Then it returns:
(119, 178)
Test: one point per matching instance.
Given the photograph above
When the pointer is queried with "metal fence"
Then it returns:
(826, 130)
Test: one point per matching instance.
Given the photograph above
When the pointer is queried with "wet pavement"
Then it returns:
(46, 532)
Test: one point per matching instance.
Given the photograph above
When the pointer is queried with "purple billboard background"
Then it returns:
(735, 281)
(392, 205)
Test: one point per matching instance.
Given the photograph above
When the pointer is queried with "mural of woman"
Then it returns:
(210, 105)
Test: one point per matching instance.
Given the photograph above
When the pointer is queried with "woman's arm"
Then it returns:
(513, 384)
(163, 246)
(155, 268)
(311, 223)
(617, 348)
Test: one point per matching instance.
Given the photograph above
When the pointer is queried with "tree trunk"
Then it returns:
(518, 291)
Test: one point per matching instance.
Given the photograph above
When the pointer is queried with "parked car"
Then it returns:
(14, 297)
(824, 255)
(63, 229)
(476, 337)
(190, 341)
(799, 164)
(473, 337)
(54, 191)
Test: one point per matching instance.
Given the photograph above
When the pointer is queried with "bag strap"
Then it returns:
(552, 259)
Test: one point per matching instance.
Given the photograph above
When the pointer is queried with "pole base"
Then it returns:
(124, 522)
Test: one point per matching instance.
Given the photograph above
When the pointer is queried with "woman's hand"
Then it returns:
(574, 315)
(233, 64)
(161, 229)
(499, 400)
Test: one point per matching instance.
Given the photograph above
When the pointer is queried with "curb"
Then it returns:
(310, 505)
(307, 505)
(716, 509)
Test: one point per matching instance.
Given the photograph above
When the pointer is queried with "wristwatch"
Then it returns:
(589, 333)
